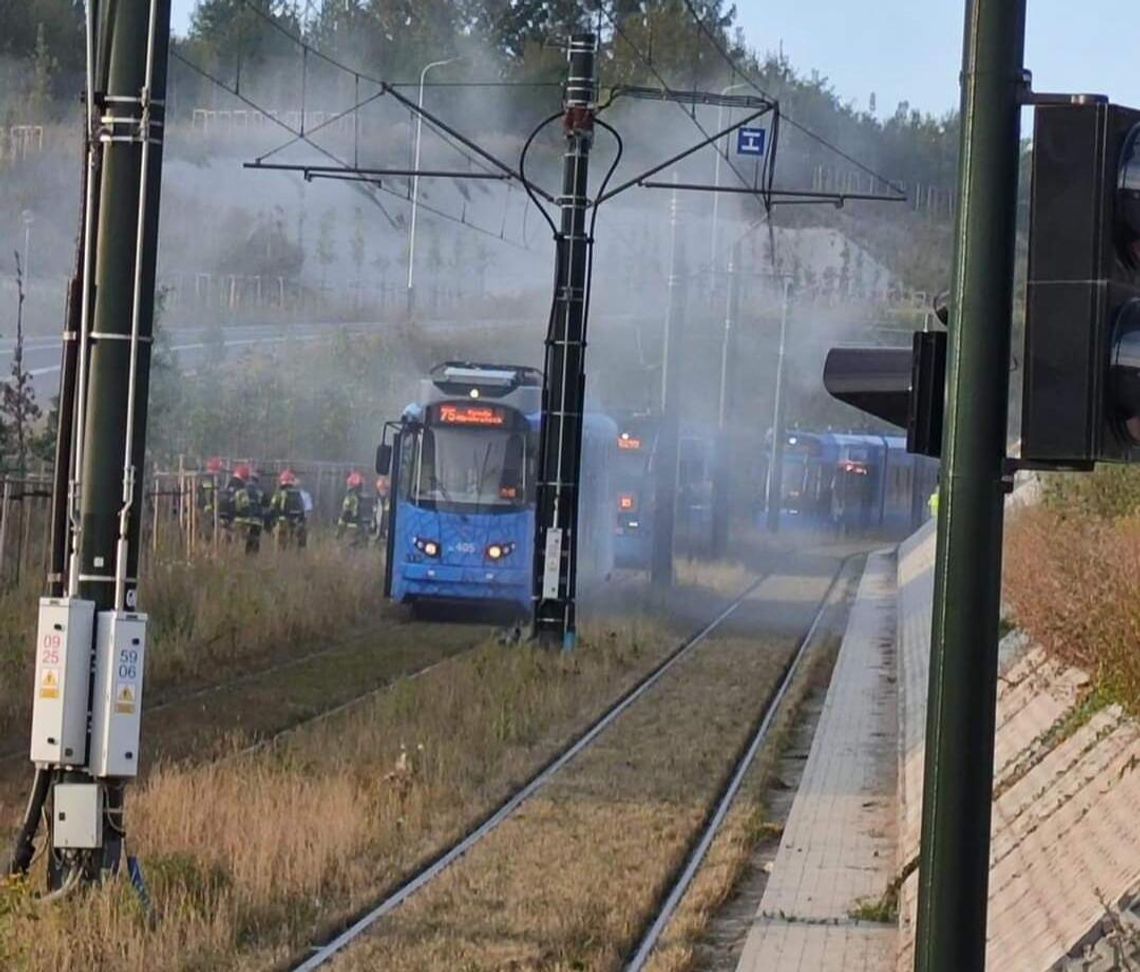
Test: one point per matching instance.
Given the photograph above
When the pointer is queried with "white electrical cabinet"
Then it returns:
(116, 709)
(63, 676)
(77, 816)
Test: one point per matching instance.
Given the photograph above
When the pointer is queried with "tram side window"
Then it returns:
(409, 440)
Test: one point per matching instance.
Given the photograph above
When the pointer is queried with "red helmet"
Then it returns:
(287, 478)
(355, 480)
(214, 465)
(241, 471)
(382, 486)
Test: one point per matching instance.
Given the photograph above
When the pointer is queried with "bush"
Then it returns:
(1108, 492)
(1072, 582)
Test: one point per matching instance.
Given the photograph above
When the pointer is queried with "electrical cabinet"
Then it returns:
(63, 676)
(116, 709)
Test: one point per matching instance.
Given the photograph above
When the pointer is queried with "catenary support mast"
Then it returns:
(564, 385)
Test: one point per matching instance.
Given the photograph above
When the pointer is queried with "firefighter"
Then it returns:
(249, 508)
(209, 492)
(379, 513)
(287, 512)
(355, 512)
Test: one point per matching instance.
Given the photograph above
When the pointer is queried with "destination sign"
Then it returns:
(470, 415)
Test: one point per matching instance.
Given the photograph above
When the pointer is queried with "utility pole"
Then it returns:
(958, 782)
(90, 644)
(666, 451)
(773, 491)
(564, 379)
(723, 469)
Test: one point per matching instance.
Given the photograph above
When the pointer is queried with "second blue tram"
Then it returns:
(463, 457)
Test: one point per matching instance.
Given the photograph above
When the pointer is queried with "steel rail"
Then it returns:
(324, 953)
(728, 795)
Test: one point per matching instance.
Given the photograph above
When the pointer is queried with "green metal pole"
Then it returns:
(105, 418)
(958, 785)
(133, 37)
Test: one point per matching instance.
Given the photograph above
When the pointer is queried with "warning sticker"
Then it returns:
(125, 698)
(49, 683)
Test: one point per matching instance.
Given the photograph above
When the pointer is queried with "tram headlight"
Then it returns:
(497, 551)
(429, 548)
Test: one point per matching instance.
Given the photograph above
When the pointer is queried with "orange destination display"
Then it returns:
(471, 415)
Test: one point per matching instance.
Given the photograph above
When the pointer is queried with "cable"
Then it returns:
(307, 48)
(526, 182)
(594, 215)
(372, 198)
(692, 117)
(719, 48)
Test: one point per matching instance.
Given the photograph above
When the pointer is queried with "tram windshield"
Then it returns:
(472, 470)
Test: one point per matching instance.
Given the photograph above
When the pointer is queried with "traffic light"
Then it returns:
(903, 386)
(1081, 387)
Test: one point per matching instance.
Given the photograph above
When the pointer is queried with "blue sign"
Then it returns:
(750, 141)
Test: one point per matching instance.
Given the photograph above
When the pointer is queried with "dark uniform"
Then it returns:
(249, 513)
(355, 520)
(287, 514)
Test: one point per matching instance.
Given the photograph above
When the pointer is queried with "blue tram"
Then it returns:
(854, 483)
(635, 478)
(462, 518)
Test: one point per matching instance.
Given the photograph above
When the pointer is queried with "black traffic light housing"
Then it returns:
(1081, 386)
(905, 387)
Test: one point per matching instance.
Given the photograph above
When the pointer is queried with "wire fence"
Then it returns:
(177, 522)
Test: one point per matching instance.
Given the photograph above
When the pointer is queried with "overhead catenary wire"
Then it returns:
(748, 79)
(385, 87)
(330, 155)
(668, 91)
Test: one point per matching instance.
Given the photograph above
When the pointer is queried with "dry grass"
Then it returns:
(1070, 583)
(721, 576)
(570, 881)
(249, 859)
(745, 828)
(214, 617)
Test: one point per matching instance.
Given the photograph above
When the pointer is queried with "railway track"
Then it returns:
(319, 955)
(724, 801)
(18, 756)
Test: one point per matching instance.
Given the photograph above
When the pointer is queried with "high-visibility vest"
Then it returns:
(933, 503)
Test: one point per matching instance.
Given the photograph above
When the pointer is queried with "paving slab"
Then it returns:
(838, 848)
(1063, 836)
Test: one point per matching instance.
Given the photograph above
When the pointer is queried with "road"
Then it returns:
(42, 354)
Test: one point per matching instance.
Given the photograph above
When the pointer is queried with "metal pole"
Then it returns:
(564, 376)
(133, 36)
(958, 782)
(29, 218)
(416, 178)
(722, 475)
(716, 175)
(665, 453)
(773, 491)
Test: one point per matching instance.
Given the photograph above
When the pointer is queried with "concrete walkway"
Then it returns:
(838, 848)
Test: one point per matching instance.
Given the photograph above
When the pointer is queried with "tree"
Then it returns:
(18, 403)
(326, 246)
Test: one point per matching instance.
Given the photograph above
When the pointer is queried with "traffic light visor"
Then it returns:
(1127, 229)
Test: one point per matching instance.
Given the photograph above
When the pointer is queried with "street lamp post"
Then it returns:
(774, 487)
(716, 174)
(416, 178)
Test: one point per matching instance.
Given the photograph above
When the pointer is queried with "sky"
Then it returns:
(910, 50)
